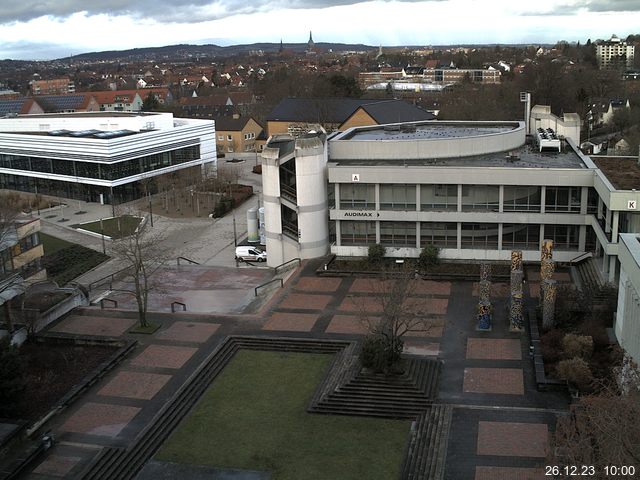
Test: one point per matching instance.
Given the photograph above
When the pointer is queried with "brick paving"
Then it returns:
(513, 439)
(351, 324)
(433, 328)
(294, 322)
(509, 473)
(428, 349)
(430, 287)
(361, 303)
(164, 356)
(140, 385)
(494, 349)
(318, 284)
(100, 419)
(188, 332)
(427, 306)
(508, 381)
(56, 465)
(369, 285)
(305, 301)
(499, 289)
(100, 326)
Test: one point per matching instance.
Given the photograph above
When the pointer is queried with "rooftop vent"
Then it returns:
(391, 129)
(548, 140)
(408, 128)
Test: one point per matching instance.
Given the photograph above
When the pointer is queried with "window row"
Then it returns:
(445, 235)
(473, 198)
(103, 171)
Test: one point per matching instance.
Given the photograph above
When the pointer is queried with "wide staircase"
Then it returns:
(590, 277)
(427, 452)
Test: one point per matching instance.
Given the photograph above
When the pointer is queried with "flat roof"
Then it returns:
(622, 172)
(428, 131)
(527, 156)
(89, 114)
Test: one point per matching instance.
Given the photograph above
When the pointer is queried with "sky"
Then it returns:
(48, 29)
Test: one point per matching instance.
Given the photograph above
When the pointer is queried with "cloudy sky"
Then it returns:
(45, 29)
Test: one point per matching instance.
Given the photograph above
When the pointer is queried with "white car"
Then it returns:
(250, 254)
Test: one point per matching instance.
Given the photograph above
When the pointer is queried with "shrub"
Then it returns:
(551, 345)
(429, 256)
(376, 253)
(575, 371)
(381, 354)
(577, 346)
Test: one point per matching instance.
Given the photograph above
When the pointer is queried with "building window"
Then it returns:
(357, 196)
(353, 233)
(520, 236)
(289, 222)
(439, 197)
(230, 138)
(480, 197)
(397, 197)
(220, 138)
(565, 237)
(562, 199)
(522, 199)
(398, 234)
(443, 235)
(482, 236)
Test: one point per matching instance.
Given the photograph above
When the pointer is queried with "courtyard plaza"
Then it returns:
(501, 424)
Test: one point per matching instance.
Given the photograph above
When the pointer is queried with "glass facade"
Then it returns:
(439, 197)
(357, 196)
(482, 236)
(520, 236)
(480, 198)
(357, 233)
(397, 197)
(562, 199)
(101, 170)
(565, 237)
(521, 199)
(443, 235)
(398, 234)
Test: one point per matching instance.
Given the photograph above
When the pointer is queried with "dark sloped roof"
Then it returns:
(319, 110)
(395, 111)
(230, 124)
(11, 107)
(337, 110)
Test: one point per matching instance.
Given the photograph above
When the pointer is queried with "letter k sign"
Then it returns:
(632, 205)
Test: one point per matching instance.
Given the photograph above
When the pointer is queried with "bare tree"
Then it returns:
(403, 311)
(11, 283)
(142, 255)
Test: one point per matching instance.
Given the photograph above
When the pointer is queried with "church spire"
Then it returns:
(310, 43)
(281, 47)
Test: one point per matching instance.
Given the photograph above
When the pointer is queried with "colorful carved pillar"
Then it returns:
(516, 260)
(485, 272)
(484, 303)
(549, 303)
(484, 316)
(547, 266)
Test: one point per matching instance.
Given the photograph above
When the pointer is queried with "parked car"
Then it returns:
(248, 253)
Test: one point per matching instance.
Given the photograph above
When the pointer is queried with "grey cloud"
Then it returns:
(596, 6)
(188, 11)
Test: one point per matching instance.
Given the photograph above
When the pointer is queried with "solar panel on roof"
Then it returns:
(59, 133)
(10, 106)
(113, 134)
(84, 133)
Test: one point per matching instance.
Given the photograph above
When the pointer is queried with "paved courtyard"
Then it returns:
(501, 423)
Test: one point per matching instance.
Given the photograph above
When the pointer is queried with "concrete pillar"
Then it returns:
(459, 245)
(417, 234)
(613, 260)
(607, 223)
(338, 234)
(582, 238)
(417, 197)
(541, 237)
(377, 231)
(499, 236)
(600, 204)
(459, 197)
(584, 200)
(336, 194)
(614, 227)
(543, 198)
(377, 197)
(501, 199)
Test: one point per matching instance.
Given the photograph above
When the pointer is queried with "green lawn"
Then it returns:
(117, 227)
(65, 261)
(253, 417)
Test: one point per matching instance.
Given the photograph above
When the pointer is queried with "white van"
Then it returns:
(250, 254)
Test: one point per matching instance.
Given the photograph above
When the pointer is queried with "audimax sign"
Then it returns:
(361, 214)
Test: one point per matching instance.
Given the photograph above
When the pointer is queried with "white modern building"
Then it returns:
(615, 53)
(476, 190)
(99, 156)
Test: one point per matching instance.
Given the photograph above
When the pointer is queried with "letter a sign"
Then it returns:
(355, 177)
